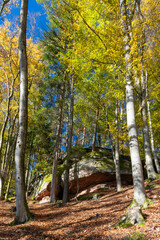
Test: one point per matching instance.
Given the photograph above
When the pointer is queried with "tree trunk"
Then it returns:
(99, 138)
(150, 128)
(8, 185)
(95, 131)
(10, 90)
(3, 4)
(116, 156)
(77, 139)
(137, 172)
(109, 133)
(22, 211)
(141, 89)
(121, 107)
(9, 148)
(83, 137)
(58, 141)
(1, 146)
(145, 129)
(70, 134)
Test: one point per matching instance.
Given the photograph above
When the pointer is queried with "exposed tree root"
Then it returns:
(132, 216)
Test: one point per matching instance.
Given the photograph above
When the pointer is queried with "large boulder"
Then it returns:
(91, 168)
(99, 161)
(80, 184)
(97, 178)
(44, 189)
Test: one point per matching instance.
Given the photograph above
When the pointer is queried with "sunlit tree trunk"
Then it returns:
(145, 129)
(121, 108)
(141, 90)
(77, 139)
(109, 133)
(4, 162)
(1, 146)
(8, 155)
(22, 211)
(116, 156)
(95, 131)
(9, 184)
(137, 172)
(58, 141)
(150, 128)
(83, 136)
(70, 134)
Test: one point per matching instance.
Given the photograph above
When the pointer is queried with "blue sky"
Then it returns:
(34, 9)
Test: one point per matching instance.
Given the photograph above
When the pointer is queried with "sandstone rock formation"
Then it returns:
(76, 186)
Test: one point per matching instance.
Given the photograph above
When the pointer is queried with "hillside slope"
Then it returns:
(85, 220)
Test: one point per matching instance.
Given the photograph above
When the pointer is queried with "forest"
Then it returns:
(89, 87)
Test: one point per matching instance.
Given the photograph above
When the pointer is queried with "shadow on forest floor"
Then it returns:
(85, 220)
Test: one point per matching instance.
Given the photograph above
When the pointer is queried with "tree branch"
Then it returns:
(3, 5)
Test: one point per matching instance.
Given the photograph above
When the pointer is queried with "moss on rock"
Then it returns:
(89, 196)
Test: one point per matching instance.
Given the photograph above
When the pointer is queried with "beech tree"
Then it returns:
(9, 84)
(127, 14)
(22, 211)
(96, 55)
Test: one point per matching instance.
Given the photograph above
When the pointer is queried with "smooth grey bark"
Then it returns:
(76, 168)
(142, 99)
(137, 172)
(22, 211)
(30, 175)
(58, 141)
(77, 139)
(116, 156)
(141, 90)
(99, 138)
(150, 128)
(8, 155)
(95, 131)
(8, 185)
(83, 136)
(28, 170)
(76, 177)
(109, 133)
(10, 91)
(121, 124)
(115, 147)
(70, 136)
(1, 146)
(146, 138)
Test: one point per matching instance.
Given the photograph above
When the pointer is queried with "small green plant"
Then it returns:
(137, 236)
(11, 199)
(89, 196)
(103, 188)
(31, 202)
(150, 186)
(124, 224)
(58, 203)
(146, 203)
(23, 227)
(149, 180)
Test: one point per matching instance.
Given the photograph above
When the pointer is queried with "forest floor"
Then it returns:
(85, 220)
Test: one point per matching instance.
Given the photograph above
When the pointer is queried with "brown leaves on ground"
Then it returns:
(85, 220)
